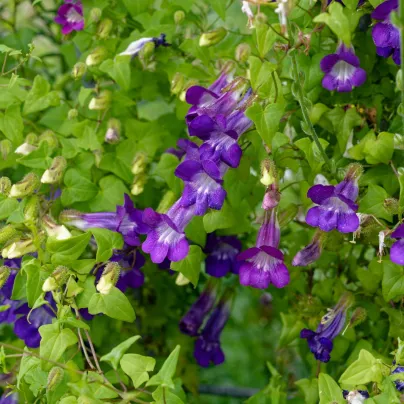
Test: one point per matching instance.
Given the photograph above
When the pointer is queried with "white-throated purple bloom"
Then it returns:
(336, 204)
(355, 396)
(385, 35)
(342, 71)
(207, 346)
(397, 249)
(70, 16)
(320, 341)
(222, 254)
(135, 47)
(203, 185)
(193, 319)
(311, 252)
(399, 383)
(263, 264)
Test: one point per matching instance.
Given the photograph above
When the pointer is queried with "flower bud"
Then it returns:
(104, 28)
(113, 132)
(139, 163)
(166, 203)
(5, 185)
(268, 172)
(391, 205)
(55, 376)
(57, 279)
(109, 278)
(55, 172)
(5, 148)
(179, 17)
(28, 185)
(354, 171)
(31, 138)
(358, 316)
(95, 14)
(261, 18)
(31, 209)
(18, 248)
(102, 101)
(212, 37)
(25, 149)
(5, 272)
(271, 198)
(7, 233)
(243, 52)
(97, 56)
(59, 232)
(79, 70)
(72, 114)
(147, 50)
(138, 184)
(49, 137)
(177, 83)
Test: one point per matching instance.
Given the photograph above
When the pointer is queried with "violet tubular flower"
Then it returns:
(311, 252)
(263, 264)
(207, 346)
(70, 16)
(385, 35)
(399, 383)
(222, 254)
(397, 249)
(193, 319)
(320, 341)
(8, 315)
(130, 275)
(342, 71)
(135, 47)
(336, 204)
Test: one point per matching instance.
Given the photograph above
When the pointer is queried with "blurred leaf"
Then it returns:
(372, 202)
(329, 391)
(39, 97)
(190, 266)
(137, 367)
(166, 373)
(117, 352)
(309, 388)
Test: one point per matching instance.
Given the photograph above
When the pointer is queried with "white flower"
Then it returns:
(25, 149)
(135, 47)
(246, 9)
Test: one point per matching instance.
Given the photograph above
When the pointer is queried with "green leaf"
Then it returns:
(19, 288)
(28, 364)
(137, 7)
(165, 169)
(137, 367)
(372, 202)
(164, 396)
(329, 391)
(219, 219)
(120, 168)
(54, 342)
(111, 193)
(38, 158)
(116, 354)
(107, 241)
(84, 298)
(309, 388)
(291, 327)
(68, 250)
(190, 266)
(78, 188)
(119, 70)
(219, 7)
(115, 305)
(11, 124)
(7, 206)
(312, 153)
(401, 204)
(34, 282)
(364, 370)
(76, 323)
(195, 231)
(39, 97)
(393, 280)
(260, 73)
(264, 38)
(379, 150)
(166, 373)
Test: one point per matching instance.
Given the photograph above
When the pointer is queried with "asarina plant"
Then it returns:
(187, 187)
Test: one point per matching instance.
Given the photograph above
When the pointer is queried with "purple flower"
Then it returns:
(311, 252)
(70, 16)
(135, 47)
(222, 255)
(193, 319)
(320, 341)
(130, 276)
(399, 383)
(8, 316)
(8, 398)
(355, 396)
(203, 185)
(385, 35)
(263, 264)
(207, 346)
(342, 71)
(337, 205)
(397, 249)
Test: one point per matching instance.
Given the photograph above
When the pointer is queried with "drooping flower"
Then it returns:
(399, 383)
(207, 346)
(135, 47)
(263, 264)
(355, 396)
(246, 9)
(342, 71)
(320, 341)
(193, 319)
(9, 398)
(70, 16)
(397, 249)
(311, 252)
(336, 204)
(385, 35)
(222, 254)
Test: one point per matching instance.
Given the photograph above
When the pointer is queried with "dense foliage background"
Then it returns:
(86, 315)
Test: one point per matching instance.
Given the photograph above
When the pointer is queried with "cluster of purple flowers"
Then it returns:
(207, 345)
(70, 16)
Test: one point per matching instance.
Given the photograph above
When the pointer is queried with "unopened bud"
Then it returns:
(166, 202)
(212, 37)
(55, 376)
(391, 205)
(139, 163)
(7, 233)
(354, 171)
(113, 132)
(18, 248)
(268, 172)
(25, 149)
(97, 56)
(4, 274)
(5, 185)
(177, 83)
(358, 316)
(179, 17)
(5, 148)
(104, 28)
(101, 102)
(261, 18)
(55, 172)
(138, 184)
(31, 209)
(243, 52)
(147, 50)
(57, 279)
(109, 278)
(31, 138)
(72, 114)
(59, 232)
(49, 137)
(28, 185)
(79, 69)
(95, 14)
(271, 198)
